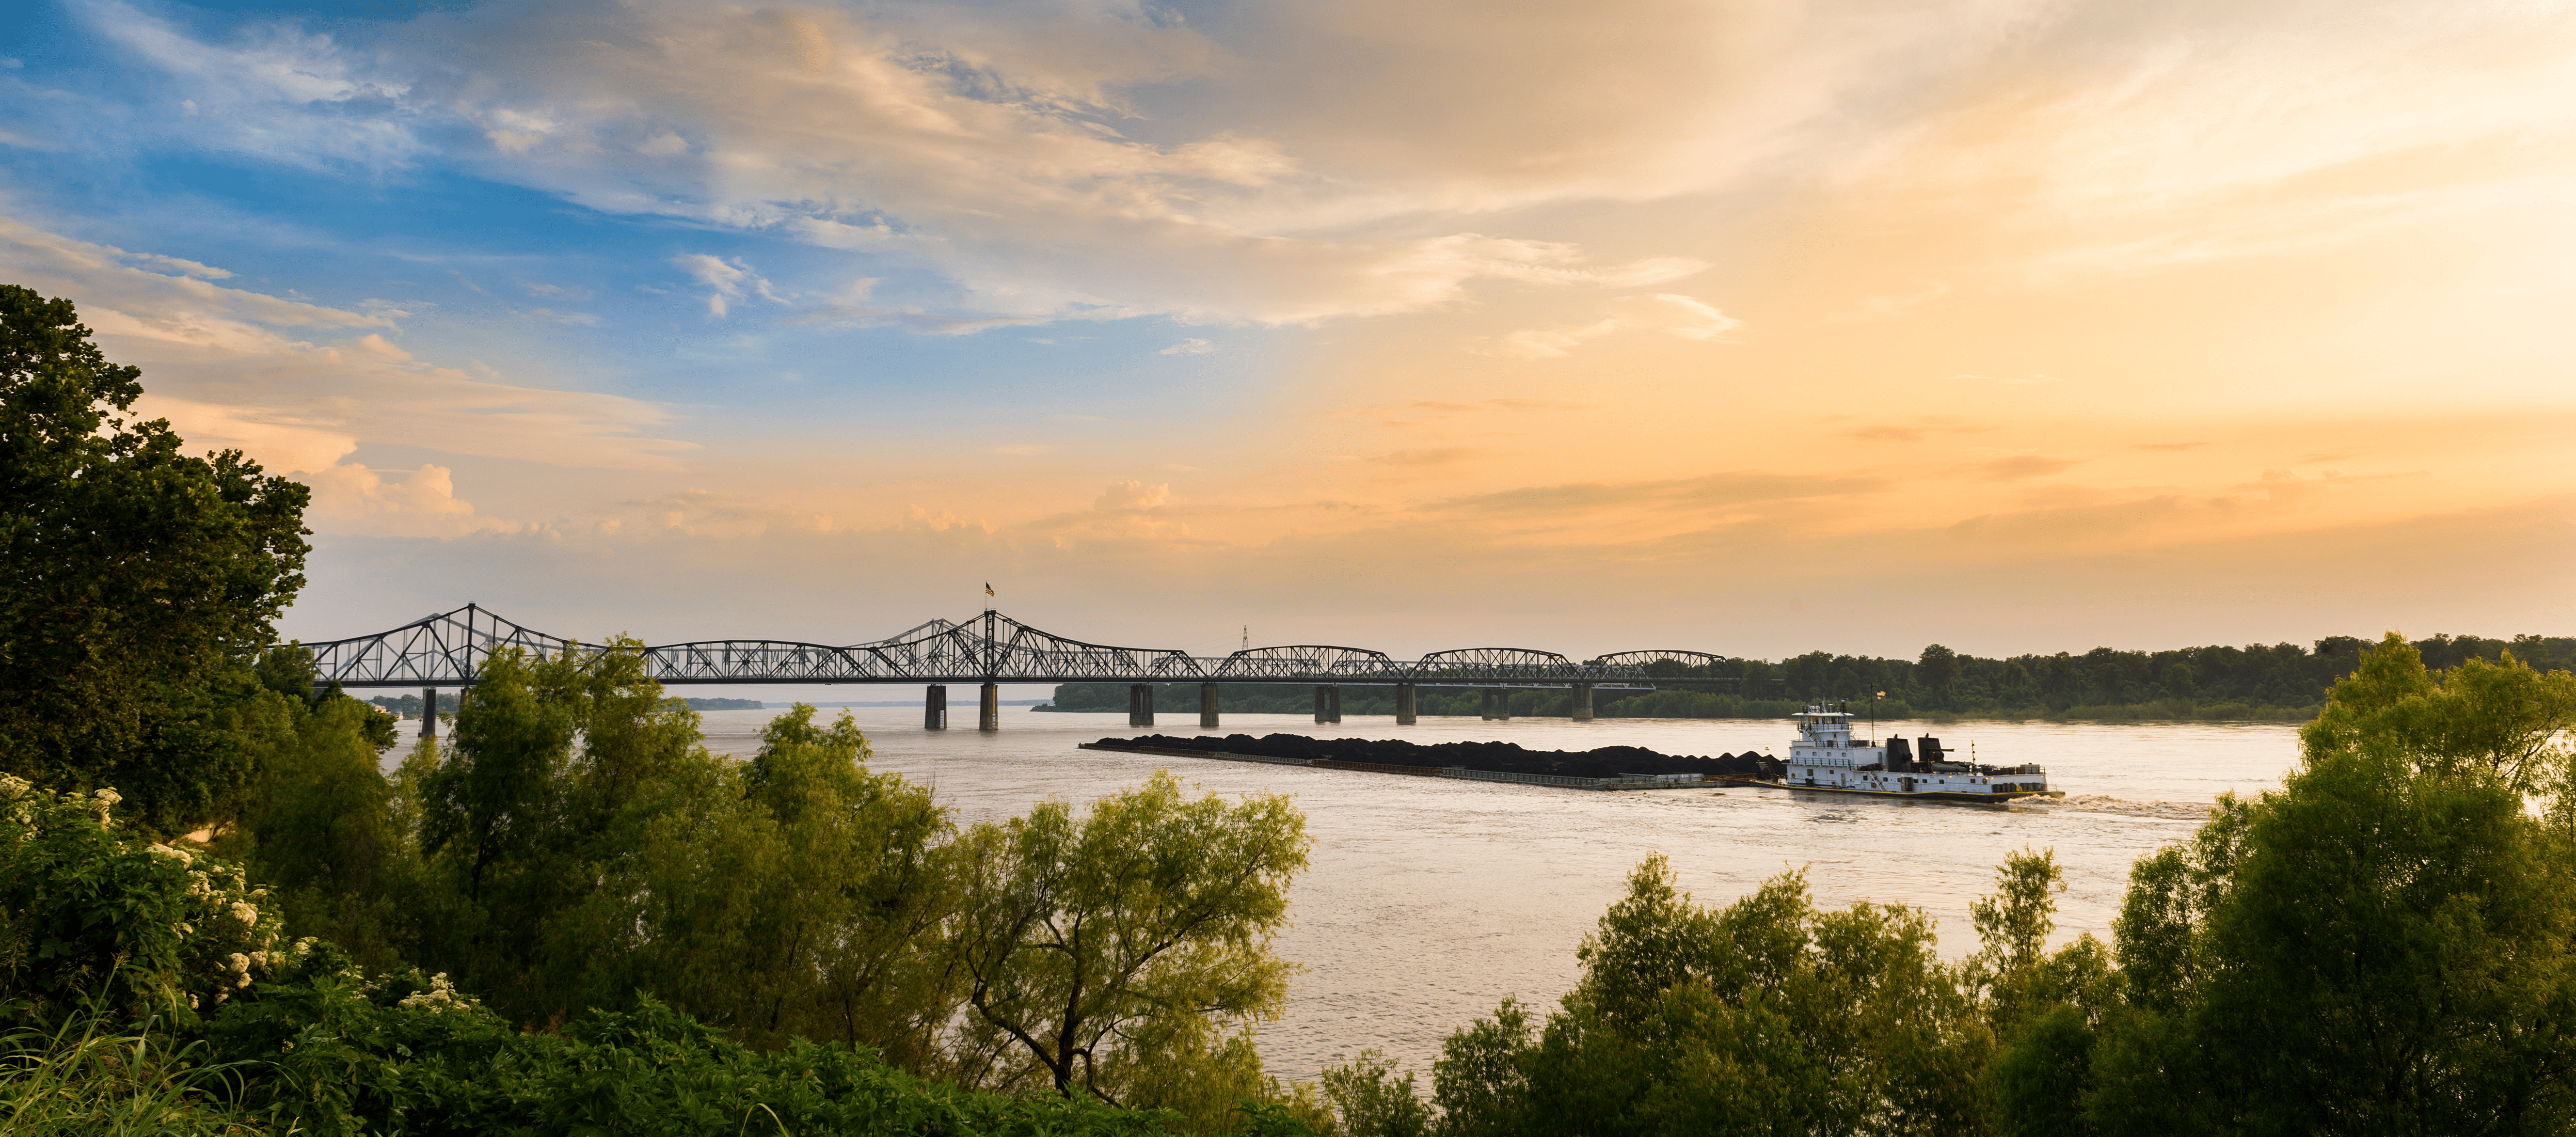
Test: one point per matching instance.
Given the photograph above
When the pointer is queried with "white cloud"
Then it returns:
(992, 147)
(1288, 164)
(728, 280)
(353, 500)
(1685, 316)
(1188, 347)
(298, 385)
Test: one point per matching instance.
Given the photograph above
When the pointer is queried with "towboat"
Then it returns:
(1825, 756)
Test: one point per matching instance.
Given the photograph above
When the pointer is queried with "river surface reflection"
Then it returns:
(1429, 900)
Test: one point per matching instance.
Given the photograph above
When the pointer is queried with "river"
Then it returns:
(1428, 900)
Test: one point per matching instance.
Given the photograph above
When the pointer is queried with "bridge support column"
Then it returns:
(1328, 704)
(1140, 704)
(989, 716)
(1404, 705)
(934, 708)
(1207, 706)
(1497, 704)
(429, 712)
(1582, 708)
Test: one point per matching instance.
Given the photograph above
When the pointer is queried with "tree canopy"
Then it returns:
(142, 580)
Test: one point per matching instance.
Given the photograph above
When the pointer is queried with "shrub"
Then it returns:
(91, 922)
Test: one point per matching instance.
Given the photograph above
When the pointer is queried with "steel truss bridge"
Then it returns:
(448, 649)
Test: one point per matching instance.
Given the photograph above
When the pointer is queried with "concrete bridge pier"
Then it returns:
(1207, 706)
(1582, 709)
(989, 717)
(934, 708)
(1328, 704)
(429, 712)
(1498, 704)
(1404, 705)
(1140, 704)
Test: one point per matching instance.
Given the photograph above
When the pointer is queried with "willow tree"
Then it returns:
(1125, 954)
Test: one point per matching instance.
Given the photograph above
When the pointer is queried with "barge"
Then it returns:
(1648, 781)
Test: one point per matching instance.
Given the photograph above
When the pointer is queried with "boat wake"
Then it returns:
(2102, 803)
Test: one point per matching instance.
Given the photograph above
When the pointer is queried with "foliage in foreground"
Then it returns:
(146, 991)
(76, 1079)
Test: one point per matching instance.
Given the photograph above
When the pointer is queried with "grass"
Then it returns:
(81, 1079)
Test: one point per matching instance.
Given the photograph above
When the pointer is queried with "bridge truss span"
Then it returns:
(449, 649)
(1676, 665)
(442, 648)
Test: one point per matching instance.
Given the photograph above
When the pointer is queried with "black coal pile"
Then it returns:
(1505, 757)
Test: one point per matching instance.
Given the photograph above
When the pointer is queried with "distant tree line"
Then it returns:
(408, 706)
(2279, 681)
(2278, 675)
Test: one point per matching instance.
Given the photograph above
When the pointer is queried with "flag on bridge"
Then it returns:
(988, 588)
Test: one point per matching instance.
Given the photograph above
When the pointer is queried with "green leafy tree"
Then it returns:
(1125, 954)
(1370, 1100)
(2044, 1007)
(140, 580)
(797, 895)
(2383, 945)
(1938, 669)
(1766, 1016)
(318, 828)
(1481, 1081)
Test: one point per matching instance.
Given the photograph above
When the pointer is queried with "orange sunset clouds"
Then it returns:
(1755, 328)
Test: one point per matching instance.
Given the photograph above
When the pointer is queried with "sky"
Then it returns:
(1754, 328)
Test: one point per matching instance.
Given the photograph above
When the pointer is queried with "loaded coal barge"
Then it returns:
(1826, 757)
(1607, 768)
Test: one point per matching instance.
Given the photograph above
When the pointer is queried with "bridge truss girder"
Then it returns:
(448, 649)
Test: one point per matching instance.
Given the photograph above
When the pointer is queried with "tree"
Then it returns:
(2386, 944)
(1938, 669)
(140, 580)
(1371, 1101)
(794, 895)
(2044, 1008)
(317, 827)
(1765, 1016)
(1125, 954)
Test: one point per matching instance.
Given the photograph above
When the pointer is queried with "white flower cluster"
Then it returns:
(441, 996)
(222, 938)
(14, 789)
